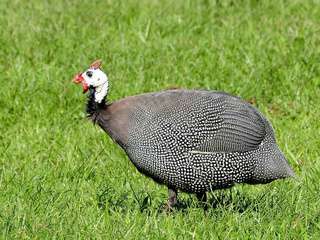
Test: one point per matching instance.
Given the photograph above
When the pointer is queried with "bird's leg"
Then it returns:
(202, 198)
(172, 199)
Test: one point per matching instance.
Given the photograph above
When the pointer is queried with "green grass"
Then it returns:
(61, 177)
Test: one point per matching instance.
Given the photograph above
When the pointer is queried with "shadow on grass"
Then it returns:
(111, 200)
(232, 199)
(229, 199)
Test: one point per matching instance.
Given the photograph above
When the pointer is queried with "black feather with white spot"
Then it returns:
(198, 141)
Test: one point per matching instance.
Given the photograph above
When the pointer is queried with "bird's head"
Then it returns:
(94, 78)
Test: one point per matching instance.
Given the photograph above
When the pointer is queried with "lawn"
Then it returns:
(63, 178)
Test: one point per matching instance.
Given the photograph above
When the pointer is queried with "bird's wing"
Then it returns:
(214, 122)
(241, 128)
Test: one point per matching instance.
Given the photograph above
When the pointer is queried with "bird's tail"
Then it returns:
(271, 162)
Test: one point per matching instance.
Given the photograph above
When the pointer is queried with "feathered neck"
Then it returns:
(94, 107)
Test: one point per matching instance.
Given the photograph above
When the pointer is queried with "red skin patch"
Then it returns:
(79, 79)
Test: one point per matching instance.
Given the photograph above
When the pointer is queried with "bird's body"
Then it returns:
(190, 140)
(195, 141)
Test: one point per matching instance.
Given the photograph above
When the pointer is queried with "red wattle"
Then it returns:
(85, 86)
(79, 79)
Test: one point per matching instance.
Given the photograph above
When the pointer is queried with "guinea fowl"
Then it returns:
(190, 140)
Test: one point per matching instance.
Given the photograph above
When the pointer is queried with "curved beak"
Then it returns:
(79, 79)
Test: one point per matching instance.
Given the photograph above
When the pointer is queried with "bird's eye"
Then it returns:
(89, 74)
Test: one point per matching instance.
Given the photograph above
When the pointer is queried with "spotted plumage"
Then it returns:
(194, 141)
(198, 141)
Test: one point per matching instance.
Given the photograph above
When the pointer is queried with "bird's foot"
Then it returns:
(172, 200)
